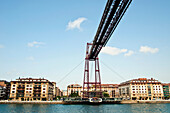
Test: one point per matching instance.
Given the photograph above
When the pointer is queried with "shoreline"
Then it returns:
(145, 101)
(31, 102)
(61, 102)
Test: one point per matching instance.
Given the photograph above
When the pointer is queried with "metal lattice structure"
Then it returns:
(87, 83)
(112, 15)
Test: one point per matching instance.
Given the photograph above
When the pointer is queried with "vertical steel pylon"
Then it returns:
(87, 84)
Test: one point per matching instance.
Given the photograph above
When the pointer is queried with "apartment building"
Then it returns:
(111, 89)
(4, 90)
(58, 91)
(141, 89)
(64, 93)
(2, 93)
(74, 88)
(54, 90)
(31, 89)
(166, 90)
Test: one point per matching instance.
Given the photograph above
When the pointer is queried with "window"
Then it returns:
(13, 91)
(13, 85)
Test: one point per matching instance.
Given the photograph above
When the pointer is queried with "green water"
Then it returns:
(110, 108)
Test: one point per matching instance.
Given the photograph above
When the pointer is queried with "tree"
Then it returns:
(58, 97)
(74, 95)
(105, 94)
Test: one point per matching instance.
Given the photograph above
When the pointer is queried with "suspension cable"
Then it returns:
(113, 71)
(70, 72)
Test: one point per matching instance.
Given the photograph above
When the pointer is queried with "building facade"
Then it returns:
(54, 90)
(58, 91)
(64, 93)
(5, 88)
(30, 89)
(2, 93)
(111, 89)
(141, 89)
(74, 88)
(166, 90)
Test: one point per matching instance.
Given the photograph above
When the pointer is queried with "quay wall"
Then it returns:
(31, 102)
(61, 102)
(144, 101)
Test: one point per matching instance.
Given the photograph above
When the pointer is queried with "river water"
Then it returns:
(105, 108)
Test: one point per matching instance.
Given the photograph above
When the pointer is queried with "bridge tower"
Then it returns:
(91, 89)
(113, 13)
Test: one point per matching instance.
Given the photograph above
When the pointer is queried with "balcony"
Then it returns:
(21, 86)
(20, 95)
(20, 91)
(37, 93)
(37, 87)
(37, 90)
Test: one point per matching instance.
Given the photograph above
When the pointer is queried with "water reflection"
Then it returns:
(110, 108)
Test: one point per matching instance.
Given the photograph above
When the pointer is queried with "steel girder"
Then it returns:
(112, 15)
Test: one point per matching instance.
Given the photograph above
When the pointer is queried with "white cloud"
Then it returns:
(76, 23)
(1, 46)
(146, 49)
(31, 58)
(35, 44)
(113, 50)
(130, 52)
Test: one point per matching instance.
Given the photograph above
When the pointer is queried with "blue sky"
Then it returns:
(48, 39)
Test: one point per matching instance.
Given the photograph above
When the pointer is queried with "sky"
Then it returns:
(47, 39)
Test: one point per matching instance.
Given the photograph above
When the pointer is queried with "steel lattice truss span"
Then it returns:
(112, 15)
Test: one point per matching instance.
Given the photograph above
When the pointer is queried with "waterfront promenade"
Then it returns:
(31, 102)
(62, 102)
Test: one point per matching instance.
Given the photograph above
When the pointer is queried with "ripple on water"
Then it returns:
(109, 108)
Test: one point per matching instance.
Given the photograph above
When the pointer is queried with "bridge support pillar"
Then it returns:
(91, 89)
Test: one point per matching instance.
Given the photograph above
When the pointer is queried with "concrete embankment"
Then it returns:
(129, 102)
(31, 102)
(144, 101)
(153, 101)
(61, 102)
